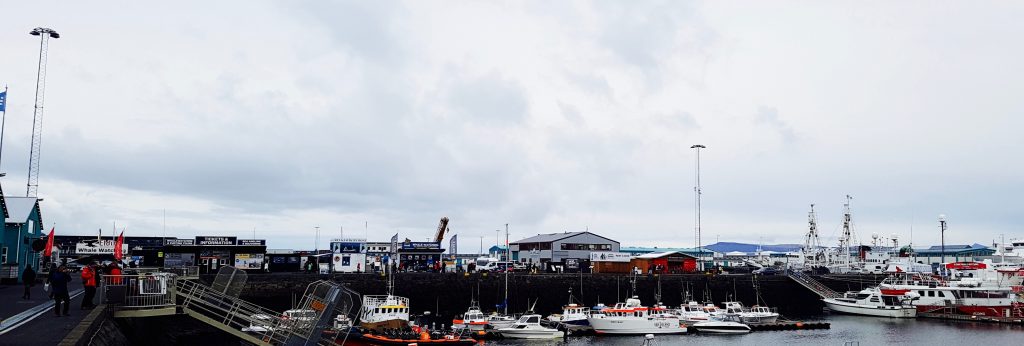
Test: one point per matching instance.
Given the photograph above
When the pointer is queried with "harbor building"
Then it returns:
(667, 262)
(138, 251)
(707, 256)
(377, 254)
(568, 251)
(23, 226)
(212, 252)
(348, 255)
(953, 253)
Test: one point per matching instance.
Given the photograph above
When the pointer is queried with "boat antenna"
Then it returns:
(508, 258)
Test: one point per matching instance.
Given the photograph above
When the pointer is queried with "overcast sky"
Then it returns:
(548, 116)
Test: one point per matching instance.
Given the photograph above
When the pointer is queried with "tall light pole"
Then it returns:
(316, 249)
(942, 227)
(37, 118)
(497, 242)
(697, 193)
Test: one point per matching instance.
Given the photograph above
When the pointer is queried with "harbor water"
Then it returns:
(846, 330)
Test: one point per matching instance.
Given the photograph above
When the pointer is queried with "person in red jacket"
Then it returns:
(115, 274)
(89, 281)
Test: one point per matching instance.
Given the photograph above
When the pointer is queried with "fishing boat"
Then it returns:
(389, 311)
(723, 324)
(875, 302)
(754, 315)
(528, 327)
(473, 319)
(572, 314)
(693, 312)
(967, 291)
(631, 317)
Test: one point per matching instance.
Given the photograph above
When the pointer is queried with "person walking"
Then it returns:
(28, 277)
(89, 281)
(58, 281)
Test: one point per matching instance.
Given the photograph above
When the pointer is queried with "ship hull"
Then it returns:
(857, 309)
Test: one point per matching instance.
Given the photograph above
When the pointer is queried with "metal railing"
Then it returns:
(812, 284)
(138, 292)
(190, 272)
(246, 320)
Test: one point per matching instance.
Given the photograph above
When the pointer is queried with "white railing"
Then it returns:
(138, 292)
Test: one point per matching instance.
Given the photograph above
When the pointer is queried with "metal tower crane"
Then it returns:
(37, 119)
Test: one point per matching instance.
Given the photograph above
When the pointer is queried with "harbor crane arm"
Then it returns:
(442, 227)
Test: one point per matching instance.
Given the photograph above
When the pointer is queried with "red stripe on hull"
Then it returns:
(974, 310)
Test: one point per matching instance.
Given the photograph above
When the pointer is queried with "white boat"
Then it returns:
(473, 319)
(872, 302)
(528, 327)
(755, 315)
(693, 312)
(974, 288)
(384, 312)
(498, 321)
(572, 314)
(725, 324)
(633, 318)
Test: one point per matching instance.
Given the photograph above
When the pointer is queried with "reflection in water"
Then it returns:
(865, 330)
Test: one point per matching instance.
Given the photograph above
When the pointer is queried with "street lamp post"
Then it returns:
(942, 227)
(697, 193)
(316, 249)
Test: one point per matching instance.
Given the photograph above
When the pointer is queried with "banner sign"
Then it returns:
(179, 242)
(252, 242)
(211, 240)
(420, 245)
(604, 256)
(93, 247)
(249, 261)
(453, 245)
(346, 247)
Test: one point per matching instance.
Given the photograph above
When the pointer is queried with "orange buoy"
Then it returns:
(799, 324)
(424, 336)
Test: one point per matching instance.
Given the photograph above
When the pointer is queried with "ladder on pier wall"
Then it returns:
(813, 285)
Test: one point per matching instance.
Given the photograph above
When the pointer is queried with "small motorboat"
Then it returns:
(723, 324)
(528, 327)
(875, 302)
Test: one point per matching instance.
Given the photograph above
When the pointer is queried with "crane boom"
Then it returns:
(442, 227)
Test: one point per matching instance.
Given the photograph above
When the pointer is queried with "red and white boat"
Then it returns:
(972, 288)
(635, 319)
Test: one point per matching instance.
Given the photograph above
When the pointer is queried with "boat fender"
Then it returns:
(799, 324)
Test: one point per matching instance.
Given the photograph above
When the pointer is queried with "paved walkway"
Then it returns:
(45, 329)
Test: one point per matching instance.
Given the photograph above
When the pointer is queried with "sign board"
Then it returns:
(421, 245)
(97, 247)
(346, 247)
(249, 261)
(604, 256)
(453, 245)
(179, 242)
(252, 242)
(572, 263)
(212, 240)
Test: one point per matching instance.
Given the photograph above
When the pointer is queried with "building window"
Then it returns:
(3, 255)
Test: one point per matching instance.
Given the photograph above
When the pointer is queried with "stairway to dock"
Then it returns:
(811, 284)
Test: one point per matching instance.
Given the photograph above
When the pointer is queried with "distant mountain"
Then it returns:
(724, 247)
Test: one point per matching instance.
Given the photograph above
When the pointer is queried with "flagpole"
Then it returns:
(3, 123)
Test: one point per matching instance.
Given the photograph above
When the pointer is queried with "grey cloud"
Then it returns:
(489, 100)
(769, 118)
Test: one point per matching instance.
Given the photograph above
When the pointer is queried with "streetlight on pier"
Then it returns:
(942, 226)
(697, 193)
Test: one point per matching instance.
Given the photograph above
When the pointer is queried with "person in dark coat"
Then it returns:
(58, 281)
(28, 277)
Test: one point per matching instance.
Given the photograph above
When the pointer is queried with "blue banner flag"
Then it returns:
(394, 243)
(3, 101)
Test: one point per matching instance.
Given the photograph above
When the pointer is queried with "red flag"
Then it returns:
(117, 246)
(49, 244)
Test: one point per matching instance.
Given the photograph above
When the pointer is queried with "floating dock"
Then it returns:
(789, 326)
(971, 318)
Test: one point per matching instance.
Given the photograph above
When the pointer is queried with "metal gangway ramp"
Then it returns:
(219, 306)
(811, 284)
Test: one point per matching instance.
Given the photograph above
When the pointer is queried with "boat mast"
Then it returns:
(507, 264)
(812, 243)
(847, 233)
